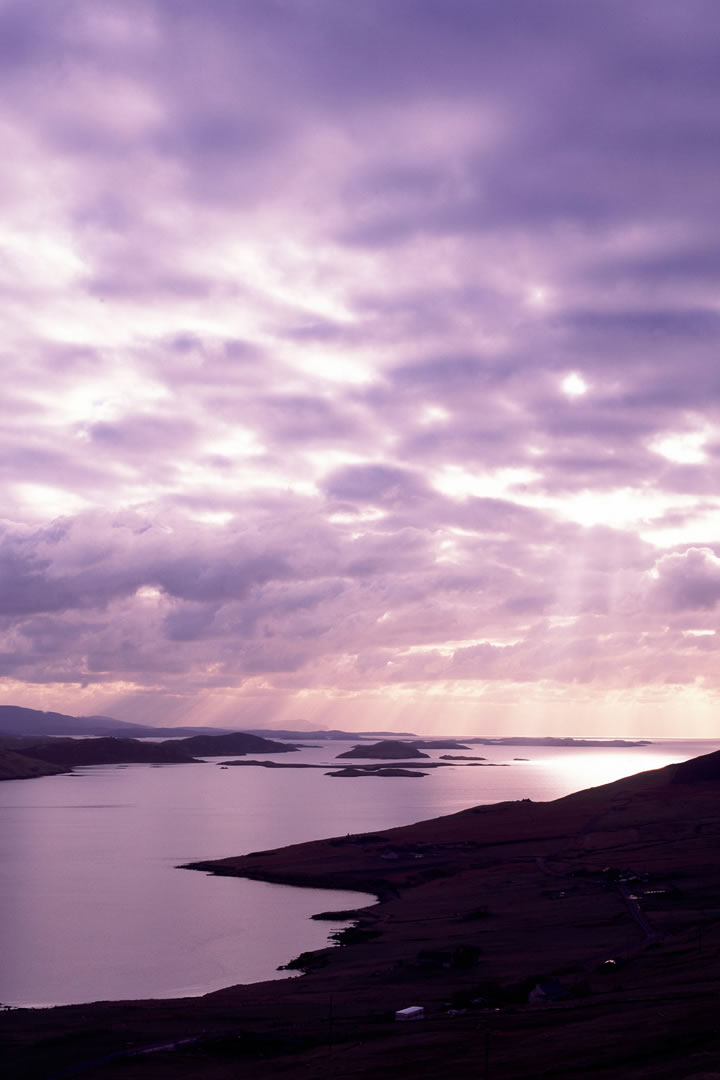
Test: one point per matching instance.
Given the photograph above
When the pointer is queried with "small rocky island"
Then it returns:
(237, 742)
(353, 771)
(461, 757)
(273, 764)
(385, 749)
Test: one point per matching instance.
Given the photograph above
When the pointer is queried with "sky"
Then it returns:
(360, 363)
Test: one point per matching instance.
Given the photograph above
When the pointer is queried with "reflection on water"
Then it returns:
(566, 773)
(92, 905)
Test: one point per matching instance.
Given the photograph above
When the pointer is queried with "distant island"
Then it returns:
(352, 772)
(328, 735)
(237, 742)
(386, 748)
(274, 764)
(438, 744)
(17, 720)
(25, 759)
(28, 758)
(35, 743)
(460, 757)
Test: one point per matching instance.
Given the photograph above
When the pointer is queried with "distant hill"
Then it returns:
(238, 742)
(16, 720)
(438, 744)
(333, 734)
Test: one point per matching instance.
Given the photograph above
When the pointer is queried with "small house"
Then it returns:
(412, 1012)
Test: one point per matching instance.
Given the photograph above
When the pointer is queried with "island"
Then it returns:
(274, 764)
(236, 742)
(354, 771)
(386, 749)
(460, 757)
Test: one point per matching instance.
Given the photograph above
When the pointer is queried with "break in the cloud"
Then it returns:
(360, 362)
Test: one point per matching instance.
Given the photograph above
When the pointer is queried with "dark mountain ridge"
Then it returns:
(17, 720)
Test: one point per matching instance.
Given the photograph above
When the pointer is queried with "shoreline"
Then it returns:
(475, 909)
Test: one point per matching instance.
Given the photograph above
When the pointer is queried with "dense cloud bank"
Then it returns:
(358, 350)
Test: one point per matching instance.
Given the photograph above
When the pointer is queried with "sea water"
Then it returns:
(93, 906)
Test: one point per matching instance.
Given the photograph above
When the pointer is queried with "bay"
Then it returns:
(93, 907)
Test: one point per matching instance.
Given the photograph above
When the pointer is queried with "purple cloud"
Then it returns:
(351, 352)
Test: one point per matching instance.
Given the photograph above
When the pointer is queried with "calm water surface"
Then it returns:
(91, 903)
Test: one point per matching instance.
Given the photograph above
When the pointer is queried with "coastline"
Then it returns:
(473, 910)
